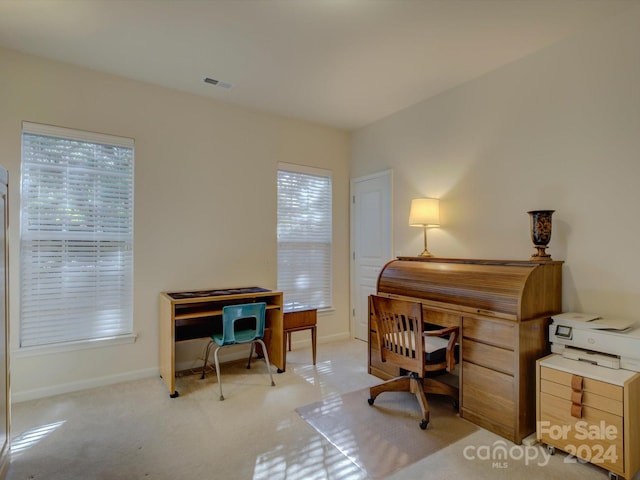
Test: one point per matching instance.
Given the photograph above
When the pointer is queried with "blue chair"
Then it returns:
(231, 336)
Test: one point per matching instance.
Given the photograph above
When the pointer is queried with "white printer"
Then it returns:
(601, 341)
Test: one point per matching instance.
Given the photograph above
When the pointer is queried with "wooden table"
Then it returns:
(297, 318)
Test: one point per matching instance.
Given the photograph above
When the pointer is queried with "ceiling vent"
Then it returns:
(218, 83)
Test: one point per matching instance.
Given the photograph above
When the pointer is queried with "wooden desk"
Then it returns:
(189, 315)
(298, 318)
(503, 308)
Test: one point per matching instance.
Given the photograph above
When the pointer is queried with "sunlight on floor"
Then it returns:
(31, 437)
(316, 460)
(313, 373)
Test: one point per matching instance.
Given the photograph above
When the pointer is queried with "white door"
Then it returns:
(371, 242)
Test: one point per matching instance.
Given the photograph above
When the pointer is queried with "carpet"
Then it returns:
(384, 438)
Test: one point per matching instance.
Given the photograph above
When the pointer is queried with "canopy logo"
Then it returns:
(499, 454)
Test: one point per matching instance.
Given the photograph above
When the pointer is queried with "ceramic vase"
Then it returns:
(540, 232)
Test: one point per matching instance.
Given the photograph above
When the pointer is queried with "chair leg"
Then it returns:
(206, 357)
(250, 355)
(416, 388)
(410, 383)
(266, 359)
(215, 356)
(398, 384)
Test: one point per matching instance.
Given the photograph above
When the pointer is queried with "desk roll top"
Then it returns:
(503, 309)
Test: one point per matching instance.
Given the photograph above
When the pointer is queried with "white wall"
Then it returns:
(205, 202)
(559, 130)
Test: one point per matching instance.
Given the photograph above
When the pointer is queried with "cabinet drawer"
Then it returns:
(586, 397)
(596, 437)
(489, 331)
(489, 356)
(301, 318)
(614, 392)
(488, 393)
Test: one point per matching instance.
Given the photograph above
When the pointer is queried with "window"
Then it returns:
(304, 235)
(76, 237)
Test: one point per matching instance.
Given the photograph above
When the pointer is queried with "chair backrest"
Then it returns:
(232, 313)
(399, 326)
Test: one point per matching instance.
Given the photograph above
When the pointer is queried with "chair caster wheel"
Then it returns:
(423, 424)
(370, 400)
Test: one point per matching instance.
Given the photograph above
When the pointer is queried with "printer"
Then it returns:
(601, 341)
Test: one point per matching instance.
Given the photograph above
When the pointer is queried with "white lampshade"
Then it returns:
(424, 212)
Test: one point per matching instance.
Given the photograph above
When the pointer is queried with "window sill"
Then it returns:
(73, 346)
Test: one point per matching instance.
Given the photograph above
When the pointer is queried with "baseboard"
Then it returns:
(83, 385)
(334, 338)
(231, 354)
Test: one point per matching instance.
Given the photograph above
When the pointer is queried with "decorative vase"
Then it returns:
(540, 232)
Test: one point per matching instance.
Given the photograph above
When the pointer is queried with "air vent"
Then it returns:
(218, 83)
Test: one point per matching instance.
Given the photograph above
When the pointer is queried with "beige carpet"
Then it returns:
(385, 437)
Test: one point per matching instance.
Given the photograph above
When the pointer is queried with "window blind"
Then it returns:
(305, 235)
(76, 237)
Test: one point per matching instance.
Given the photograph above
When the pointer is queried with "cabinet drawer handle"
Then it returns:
(576, 410)
(576, 383)
(576, 397)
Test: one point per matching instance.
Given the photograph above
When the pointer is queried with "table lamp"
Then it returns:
(425, 212)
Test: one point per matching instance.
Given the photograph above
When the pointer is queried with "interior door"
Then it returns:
(371, 241)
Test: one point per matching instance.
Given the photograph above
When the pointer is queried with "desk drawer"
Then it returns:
(489, 356)
(443, 319)
(489, 331)
(488, 394)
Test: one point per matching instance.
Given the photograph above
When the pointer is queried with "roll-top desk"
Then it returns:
(503, 309)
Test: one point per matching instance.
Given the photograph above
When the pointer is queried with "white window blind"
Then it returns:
(304, 235)
(76, 252)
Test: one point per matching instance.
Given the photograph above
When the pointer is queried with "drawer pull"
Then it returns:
(576, 397)
(576, 410)
(576, 383)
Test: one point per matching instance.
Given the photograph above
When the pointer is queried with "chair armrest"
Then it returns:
(441, 332)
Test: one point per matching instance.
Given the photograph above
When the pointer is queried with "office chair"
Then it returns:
(423, 355)
(232, 336)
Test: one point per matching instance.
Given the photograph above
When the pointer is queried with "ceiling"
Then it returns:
(344, 63)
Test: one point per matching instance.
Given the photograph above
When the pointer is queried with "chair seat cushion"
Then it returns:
(435, 349)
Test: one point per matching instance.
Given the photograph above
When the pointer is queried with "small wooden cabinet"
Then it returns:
(590, 412)
(298, 318)
(503, 309)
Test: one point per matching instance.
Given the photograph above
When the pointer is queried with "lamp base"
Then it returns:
(425, 253)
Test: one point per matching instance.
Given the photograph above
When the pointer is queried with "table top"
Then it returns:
(216, 293)
(296, 307)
